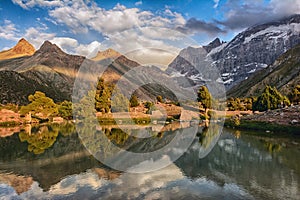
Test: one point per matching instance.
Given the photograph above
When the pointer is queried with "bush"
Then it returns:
(134, 102)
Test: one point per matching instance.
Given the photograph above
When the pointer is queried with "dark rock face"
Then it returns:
(250, 51)
(214, 44)
(15, 88)
(284, 74)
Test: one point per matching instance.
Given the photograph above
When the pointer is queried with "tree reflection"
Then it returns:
(208, 135)
(39, 139)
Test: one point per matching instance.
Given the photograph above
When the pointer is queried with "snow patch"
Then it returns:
(276, 32)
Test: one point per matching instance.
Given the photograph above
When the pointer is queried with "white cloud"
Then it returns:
(36, 37)
(216, 3)
(89, 50)
(80, 17)
(138, 3)
(65, 42)
(8, 31)
(42, 3)
(69, 45)
(286, 7)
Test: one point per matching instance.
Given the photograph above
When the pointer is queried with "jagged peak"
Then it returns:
(50, 47)
(23, 47)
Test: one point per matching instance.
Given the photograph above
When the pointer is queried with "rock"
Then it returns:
(294, 121)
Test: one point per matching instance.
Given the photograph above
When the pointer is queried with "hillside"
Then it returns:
(284, 74)
(15, 88)
(22, 48)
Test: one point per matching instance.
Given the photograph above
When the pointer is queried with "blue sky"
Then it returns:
(84, 27)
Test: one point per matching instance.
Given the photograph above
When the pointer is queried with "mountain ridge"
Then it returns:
(249, 51)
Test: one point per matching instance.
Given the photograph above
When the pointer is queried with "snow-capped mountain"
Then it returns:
(250, 51)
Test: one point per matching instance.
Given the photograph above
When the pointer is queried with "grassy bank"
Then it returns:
(263, 126)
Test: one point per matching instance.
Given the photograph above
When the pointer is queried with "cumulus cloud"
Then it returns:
(90, 50)
(8, 31)
(36, 37)
(81, 17)
(70, 45)
(41, 3)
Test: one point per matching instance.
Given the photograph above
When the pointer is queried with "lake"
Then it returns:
(51, 162)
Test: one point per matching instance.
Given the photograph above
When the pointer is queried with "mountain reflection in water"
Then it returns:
(235, 165)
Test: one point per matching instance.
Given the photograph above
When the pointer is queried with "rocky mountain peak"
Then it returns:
(108, 53)
(48, 47)
(215, 43)
(23, 47)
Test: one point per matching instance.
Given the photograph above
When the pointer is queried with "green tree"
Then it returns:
(232, 104)
(205, 98)
(65, 110)
(270, 99)
(40, 105)
(134, 102)
(103, 96)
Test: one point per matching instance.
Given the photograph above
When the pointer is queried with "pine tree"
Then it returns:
(270, 99)
(205, 98)
(103, 96)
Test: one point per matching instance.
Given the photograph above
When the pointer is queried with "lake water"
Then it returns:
(51, 162)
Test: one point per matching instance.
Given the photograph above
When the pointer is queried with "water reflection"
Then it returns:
(39, 138)
(239, 166)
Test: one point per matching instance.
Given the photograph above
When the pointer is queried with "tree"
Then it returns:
(295, 94)
(119, 102)
(41, 106)
(270, 99)
(205, 98)
(134, 102)
(65, 110)
(148, 105)
(103, 95)
(86, 106)
(159, 99)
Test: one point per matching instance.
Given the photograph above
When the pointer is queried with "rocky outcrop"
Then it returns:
(214, 44)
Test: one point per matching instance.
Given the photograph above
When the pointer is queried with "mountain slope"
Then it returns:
(284, 74)
(23, 48)
(15, 88)
(250, 51)
(50, 68)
